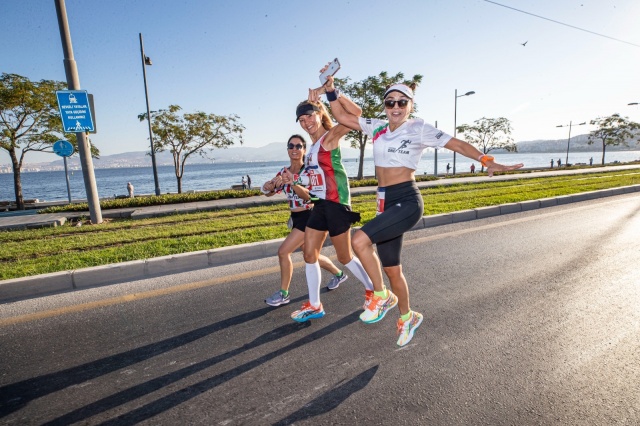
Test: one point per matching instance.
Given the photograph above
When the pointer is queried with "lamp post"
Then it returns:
(566, 161)
(455, 124)
(147, 61)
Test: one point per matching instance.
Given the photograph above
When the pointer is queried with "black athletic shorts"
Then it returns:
(403, 208)
(333, 217)
(299, 219)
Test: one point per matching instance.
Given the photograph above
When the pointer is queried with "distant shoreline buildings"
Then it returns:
(275, 152)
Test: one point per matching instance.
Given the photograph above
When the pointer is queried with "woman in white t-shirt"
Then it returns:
(398, 143)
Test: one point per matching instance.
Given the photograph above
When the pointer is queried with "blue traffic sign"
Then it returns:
(63, 148)
(75, 111)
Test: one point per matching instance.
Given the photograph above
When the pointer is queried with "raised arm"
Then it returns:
(344, 110)
(332, 140)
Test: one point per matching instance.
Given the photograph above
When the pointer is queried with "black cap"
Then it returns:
(305, 108)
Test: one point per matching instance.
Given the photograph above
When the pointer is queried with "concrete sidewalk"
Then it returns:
(25, 221)
(57, 282)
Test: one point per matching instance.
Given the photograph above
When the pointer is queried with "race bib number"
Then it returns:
(380, 201)
(316, 182)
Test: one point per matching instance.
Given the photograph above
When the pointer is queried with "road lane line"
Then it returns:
(127, 298)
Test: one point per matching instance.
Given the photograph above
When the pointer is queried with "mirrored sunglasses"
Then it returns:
(296, 146)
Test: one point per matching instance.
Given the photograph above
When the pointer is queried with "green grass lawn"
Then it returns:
(38, 251)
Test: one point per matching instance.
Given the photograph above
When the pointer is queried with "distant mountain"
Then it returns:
(577, 144)
(276, 151)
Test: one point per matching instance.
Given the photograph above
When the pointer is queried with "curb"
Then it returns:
(58, 282)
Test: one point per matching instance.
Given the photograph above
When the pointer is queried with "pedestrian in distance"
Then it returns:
(244, 183)
(130, 189)
(328, 184)
(552, 163)
(559, 163)
(448, 168)
(398, 144)
(300, 205)
(473, 168)
(249, 181)
(591, 161)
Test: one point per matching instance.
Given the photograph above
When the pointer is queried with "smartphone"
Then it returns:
(333, 68)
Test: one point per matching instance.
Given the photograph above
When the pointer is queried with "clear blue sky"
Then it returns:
(256, 59)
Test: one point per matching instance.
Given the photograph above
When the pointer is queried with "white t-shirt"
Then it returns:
(404, 146)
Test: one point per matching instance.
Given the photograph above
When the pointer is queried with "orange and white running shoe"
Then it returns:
(378, 307)
(307, 312)
(368, 294)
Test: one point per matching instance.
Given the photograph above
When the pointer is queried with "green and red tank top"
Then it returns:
(327, 176)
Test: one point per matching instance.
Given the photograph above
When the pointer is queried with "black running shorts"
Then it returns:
(300, 219)
(333, 217)
(403, 208)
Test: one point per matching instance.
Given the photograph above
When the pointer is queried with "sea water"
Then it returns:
(51, 186)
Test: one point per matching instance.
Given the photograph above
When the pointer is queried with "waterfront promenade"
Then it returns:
(114, 273)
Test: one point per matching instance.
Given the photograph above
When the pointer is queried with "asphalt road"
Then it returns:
(530, 318)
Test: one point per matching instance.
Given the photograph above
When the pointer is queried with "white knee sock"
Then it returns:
(358, 271)
(313, 283)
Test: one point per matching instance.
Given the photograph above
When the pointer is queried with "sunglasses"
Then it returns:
(296, 146)
(402, 103)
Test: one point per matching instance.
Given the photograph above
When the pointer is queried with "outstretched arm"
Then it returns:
(472, 152)
(343, 109)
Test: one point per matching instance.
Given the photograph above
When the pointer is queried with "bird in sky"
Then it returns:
(525, 43)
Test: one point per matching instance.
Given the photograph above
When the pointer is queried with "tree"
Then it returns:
(28, 116)
(612, 131)
(188, 134)
(368, 95)
(29, 121)
(488, 134)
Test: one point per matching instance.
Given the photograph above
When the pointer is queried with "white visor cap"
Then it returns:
(402, 88)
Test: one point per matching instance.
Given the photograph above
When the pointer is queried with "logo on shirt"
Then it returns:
(439, 135)
(401, 149)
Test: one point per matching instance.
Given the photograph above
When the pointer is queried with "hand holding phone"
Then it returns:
(331, 69)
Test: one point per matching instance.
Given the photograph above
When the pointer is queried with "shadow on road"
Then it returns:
(174, 399)
(158, 383)
(330, 399)
(17, 395)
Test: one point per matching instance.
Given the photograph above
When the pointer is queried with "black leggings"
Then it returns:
(403, 208)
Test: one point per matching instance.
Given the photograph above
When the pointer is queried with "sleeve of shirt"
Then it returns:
(432, 137)
(368, 125)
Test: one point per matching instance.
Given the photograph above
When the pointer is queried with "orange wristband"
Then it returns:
(484, 158)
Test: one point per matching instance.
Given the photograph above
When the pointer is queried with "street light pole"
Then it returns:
(566, 160)
(455, 123)
(147, 61)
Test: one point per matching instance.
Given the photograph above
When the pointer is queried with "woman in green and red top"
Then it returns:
(325, 177)
(301, 206)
